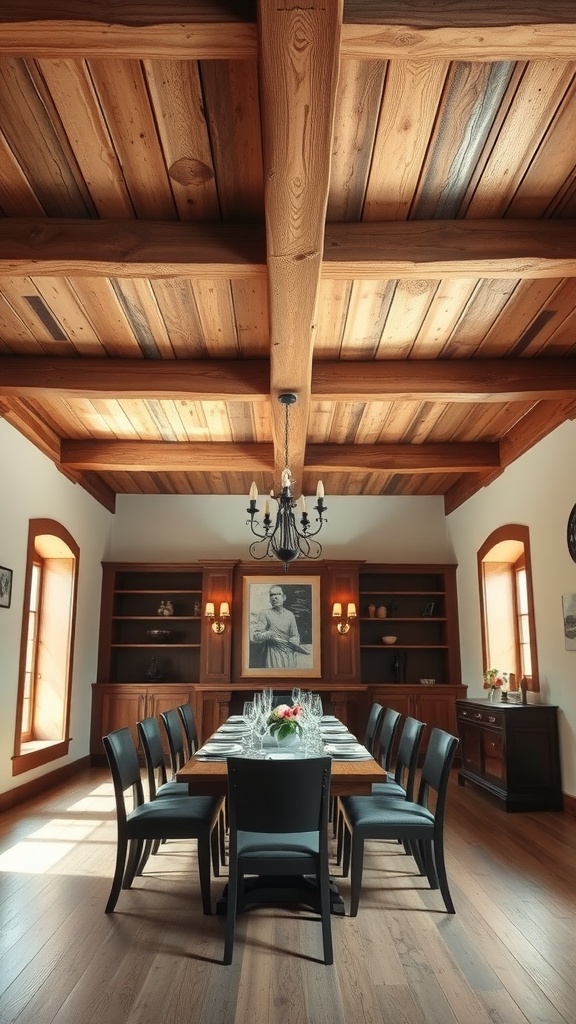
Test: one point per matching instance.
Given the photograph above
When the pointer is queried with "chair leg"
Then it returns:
(121, 851)
(357, 864)
(215, 849)
(324, 885)
(231, 912)
(134, 857)
(204, 850)
(346, 841)
(442, 876)
(340, 829)
(148, 849)
(222, 836)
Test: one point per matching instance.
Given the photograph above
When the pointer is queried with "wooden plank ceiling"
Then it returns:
(206, 203)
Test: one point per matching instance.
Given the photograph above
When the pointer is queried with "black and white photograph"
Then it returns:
(5, 587)
(281, 627)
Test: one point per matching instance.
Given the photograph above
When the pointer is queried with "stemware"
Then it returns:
(296, 695)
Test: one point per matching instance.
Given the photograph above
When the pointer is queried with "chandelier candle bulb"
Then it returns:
(253, 491)
(320, 489)
(303, 504)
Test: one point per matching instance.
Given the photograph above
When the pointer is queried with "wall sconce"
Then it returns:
(343, 624)
(218, 623)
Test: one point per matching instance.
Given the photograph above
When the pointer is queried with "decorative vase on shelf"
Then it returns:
(382, 611)
(153, 672)
(371, 610)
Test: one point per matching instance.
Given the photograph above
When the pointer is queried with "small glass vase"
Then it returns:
(494, 694)
(292, 739)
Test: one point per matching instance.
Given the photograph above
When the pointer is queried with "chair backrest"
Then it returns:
(385, 734)
(407, 757)
(125, 769)
(173, 726)
(436, 769)
(293, 796)
(190, 730)
(151, 739)
(376, 712)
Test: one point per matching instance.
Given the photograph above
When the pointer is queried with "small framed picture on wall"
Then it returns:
(5, 587)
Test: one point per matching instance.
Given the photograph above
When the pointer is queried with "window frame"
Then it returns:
(521, 534)
(52, 749)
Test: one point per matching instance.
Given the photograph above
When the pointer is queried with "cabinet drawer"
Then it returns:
(482, 716)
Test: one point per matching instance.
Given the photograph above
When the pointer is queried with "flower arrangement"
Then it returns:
(286, 721)
(494, 678)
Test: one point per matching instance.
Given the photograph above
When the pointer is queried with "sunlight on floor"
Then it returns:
(45, 848)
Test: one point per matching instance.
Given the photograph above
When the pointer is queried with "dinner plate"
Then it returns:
(348, 755)
(237, 718)
(328, 718)
(345, 738)
(333, 729)
(346, 748)
(219, 748)
(233, 727)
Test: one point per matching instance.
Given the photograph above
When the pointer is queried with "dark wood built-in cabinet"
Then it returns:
(512, 752)
(421, 611)
(203, 668)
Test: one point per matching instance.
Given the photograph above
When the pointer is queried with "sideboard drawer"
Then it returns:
(483, 716)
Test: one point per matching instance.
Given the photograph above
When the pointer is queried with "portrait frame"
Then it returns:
(302, 599)
(5, 586)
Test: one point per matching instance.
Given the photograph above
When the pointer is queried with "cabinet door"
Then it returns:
(163, 698)
(493, 755)
(122, 708)
(471, 748)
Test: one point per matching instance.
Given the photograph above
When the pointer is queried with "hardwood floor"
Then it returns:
(508, 955)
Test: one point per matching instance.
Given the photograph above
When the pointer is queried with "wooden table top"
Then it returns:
(349, 778)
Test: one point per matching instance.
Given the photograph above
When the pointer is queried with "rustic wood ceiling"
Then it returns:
(367, 203)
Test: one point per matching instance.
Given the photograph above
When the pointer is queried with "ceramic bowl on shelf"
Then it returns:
(158, 636)
(389, 640)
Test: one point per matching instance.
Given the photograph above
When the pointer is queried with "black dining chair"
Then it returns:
(385, 736)
(400, 782)
(173, 817)
(415, 824)
(284, 832)
(190, 731)
(158, 783)
(173, 726)
(372, 723)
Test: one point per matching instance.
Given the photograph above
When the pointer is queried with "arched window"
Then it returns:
(46, 647)
(507, 605)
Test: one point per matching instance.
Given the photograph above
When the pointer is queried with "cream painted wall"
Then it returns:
(176, 528)
(32, 488)
(538, 491)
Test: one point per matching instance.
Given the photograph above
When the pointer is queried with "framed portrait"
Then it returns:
(5, 587)
(569, 615)
(281, 627)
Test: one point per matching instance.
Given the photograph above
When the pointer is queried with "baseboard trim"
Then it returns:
(20, 794)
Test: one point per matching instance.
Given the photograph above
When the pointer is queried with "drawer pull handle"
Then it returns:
(491, 719)
(478, 714)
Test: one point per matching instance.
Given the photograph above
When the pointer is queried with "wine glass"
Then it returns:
(296, 695)
(260, 730)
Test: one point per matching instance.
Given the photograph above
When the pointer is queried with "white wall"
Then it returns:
(179, 528)
(33, 488)
(538, 491)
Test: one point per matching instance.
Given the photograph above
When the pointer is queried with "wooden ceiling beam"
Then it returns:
(469, 30)
(466, 380)
(176, 29)
(37, 247)
(450, 248)
(444, 380)
(402, 458)
(299, 59)
(194, 380)
(166, 456)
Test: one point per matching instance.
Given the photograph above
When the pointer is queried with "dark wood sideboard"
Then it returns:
(512, 752)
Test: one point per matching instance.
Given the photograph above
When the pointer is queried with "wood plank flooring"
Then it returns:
(508, 956)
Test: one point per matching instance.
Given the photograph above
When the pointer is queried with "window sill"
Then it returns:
(38, 752)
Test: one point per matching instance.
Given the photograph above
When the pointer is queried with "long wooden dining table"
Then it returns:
(348, 778)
